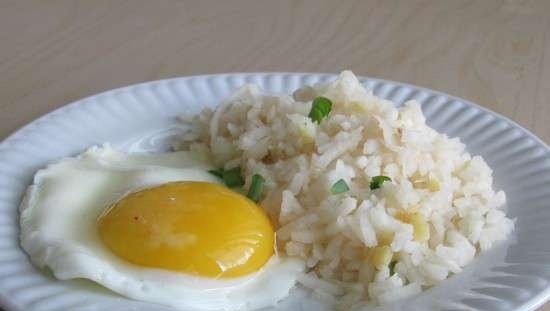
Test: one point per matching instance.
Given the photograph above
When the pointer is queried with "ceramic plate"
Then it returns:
(513, 276)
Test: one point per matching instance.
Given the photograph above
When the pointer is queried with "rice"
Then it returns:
(361, 246)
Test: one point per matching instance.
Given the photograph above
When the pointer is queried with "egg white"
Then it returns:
(59, 230)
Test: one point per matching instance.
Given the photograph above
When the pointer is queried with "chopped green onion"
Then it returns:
(232, 178)
(256, 187)
(217, 172)
(320, 108)
(377, 181)
(339, 187)
(391, 266)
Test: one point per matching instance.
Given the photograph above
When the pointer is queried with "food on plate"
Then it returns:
(331, 187)
(378, 204)
(158, 228)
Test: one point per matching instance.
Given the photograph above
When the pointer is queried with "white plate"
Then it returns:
(514, 276)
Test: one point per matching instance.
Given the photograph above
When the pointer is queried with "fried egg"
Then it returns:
(157, 228)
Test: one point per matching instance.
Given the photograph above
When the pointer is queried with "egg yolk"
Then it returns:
(192, 227)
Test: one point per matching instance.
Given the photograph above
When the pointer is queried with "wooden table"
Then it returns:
(495, 53)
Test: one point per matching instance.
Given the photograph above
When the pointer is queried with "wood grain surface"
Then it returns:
(495, 53)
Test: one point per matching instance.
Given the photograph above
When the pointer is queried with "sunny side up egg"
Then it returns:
(156, 228)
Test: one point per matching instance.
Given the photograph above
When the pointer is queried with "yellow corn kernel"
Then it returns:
(306, 133)
(274, 150)
(432, 184)
(384, 237)
(305, 127)
(421, 228)
(381, 256)
(429, 182)
(359, 106)
(403, 216)
(412, 209)
(417, 179)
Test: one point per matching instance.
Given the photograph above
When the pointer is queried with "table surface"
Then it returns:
(494, 52)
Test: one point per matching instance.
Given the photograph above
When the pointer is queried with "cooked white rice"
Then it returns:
(437, 212)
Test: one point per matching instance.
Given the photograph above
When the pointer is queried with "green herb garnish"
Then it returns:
(320, 108)
(256, 187)
(339, 187)
(232, 178)
(391, 266)
(377, 181)
(217, 172)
